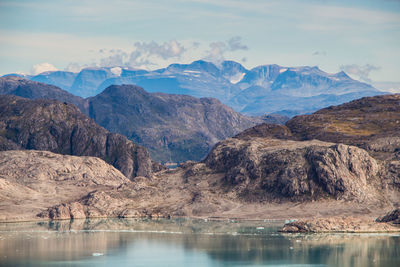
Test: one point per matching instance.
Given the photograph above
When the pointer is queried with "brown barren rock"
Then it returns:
(338, 224)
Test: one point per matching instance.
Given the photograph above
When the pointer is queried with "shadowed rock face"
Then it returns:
(13, 85)
(393, 217)
(173, 127)
(62, 128)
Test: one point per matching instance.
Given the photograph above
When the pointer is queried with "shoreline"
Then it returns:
(291, 226)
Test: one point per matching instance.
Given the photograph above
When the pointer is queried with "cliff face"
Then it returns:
(62, 128)
(271, 169)
(172, 127)
(371, 123)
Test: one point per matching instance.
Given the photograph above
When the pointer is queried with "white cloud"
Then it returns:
(217, 50)
(143, 54)
(360, 72)
(165, 50)
(115, 58)
(150, 55)
(235, 43)
(73, 67)
(42, 67)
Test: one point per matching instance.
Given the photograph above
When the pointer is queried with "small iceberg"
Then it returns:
(96, 254)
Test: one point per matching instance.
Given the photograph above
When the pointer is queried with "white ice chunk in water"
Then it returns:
(96, 254)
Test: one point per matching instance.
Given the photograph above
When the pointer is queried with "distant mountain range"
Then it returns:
(262, 90)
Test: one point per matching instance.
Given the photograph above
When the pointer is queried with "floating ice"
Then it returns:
(96, 254)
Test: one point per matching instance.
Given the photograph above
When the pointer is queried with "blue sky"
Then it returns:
(360, 37)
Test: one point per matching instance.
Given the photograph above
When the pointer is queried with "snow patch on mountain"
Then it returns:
(263, 89)
(116, 71)
(237, 78)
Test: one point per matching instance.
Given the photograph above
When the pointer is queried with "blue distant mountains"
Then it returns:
(262, 90)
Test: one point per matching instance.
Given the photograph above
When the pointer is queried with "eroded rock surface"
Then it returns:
(256, 178)
(31, 181)
(262, 168)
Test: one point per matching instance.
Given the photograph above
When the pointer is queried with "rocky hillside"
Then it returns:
(371, 122)
(270, 180)
(260, 178)
(270, 169)
(13, 85)
(173, 127)
(31, 180)
(61, 128)
(265, 172)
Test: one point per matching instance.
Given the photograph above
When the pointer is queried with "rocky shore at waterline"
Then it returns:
(386, 223)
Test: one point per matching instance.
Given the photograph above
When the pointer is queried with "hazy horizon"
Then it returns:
(358, 37)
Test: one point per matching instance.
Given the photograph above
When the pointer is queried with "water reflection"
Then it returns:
(182, 242)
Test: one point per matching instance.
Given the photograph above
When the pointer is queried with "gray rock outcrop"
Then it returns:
(274, 169)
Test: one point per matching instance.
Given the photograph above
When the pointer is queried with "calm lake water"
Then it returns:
(130, 242)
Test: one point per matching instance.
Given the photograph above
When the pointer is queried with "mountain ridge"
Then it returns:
(226, 82)
(173, 127)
